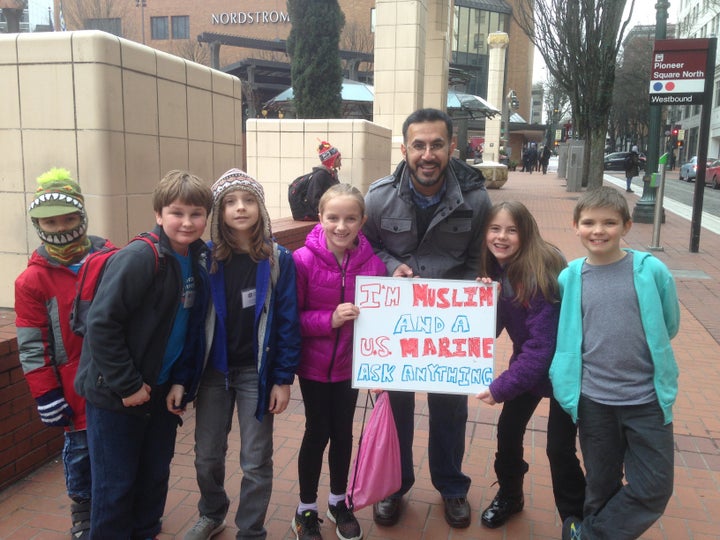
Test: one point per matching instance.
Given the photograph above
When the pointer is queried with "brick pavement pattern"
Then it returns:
(37, 507)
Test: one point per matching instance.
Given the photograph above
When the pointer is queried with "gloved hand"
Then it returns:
(53, 409)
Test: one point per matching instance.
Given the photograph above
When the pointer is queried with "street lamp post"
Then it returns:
(644, 210)
(142, 4)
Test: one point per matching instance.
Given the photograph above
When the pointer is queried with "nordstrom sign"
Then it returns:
(250, 17)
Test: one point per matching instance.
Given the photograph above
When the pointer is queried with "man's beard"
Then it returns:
(425, 181)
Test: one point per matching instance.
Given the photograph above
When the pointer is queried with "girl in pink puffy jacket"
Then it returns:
(335, 252)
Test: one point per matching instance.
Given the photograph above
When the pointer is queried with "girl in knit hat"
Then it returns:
(49, 350)
(255, 351)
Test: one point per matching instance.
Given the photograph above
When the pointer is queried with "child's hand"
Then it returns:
(486, 396)
(344, 312)
(279, 398)
(174, 399)
(139, 397)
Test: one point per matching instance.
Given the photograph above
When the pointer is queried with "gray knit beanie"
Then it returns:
(237, 180)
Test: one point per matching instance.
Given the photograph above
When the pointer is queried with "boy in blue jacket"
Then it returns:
(142, 359)
(615, 373)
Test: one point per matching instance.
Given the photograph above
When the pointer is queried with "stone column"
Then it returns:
(498, 42)
(399, 64)
(438, 52)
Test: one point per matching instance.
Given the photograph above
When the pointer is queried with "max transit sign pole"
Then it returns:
(683, 72)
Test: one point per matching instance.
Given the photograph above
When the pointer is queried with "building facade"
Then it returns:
(262, 26)
(698, 19)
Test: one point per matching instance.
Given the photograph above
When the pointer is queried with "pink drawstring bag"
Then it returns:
(376, 473)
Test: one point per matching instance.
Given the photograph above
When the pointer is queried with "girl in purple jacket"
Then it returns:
(335, 252)
(527, 267)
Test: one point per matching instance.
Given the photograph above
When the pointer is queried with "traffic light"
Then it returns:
(675, 130)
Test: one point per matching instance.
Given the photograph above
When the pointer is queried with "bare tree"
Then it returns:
(13, 11)
(91, 14)
(192, 50)
(557, 106)
(579, 41)
(631, 107)
(356, 37)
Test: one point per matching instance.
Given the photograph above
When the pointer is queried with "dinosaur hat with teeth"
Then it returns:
(59, 195)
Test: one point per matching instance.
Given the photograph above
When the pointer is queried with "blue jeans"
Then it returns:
(635, 438)
(76, 463)
(130, 455)
(446, 444)
(213, 420)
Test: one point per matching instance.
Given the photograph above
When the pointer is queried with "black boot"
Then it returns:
(508, 501)
(80, 515)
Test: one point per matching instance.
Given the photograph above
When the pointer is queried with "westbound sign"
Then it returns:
(678, 71)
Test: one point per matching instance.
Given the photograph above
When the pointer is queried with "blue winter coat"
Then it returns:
(276, 339)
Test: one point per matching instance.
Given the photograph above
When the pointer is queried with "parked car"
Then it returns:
(616, 161)
(712, 174)
(688, 170)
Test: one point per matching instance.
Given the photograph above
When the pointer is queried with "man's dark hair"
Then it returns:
(427, 115)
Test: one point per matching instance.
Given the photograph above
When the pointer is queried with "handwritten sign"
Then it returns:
(426, 335)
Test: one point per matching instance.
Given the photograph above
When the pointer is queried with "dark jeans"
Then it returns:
(329, 413)
(130, 459)
(568, 478)
(76, 463)
(446, 444)
(567, 475)
(216, 402)
(633, 438)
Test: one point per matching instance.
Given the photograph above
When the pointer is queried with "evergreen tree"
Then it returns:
(315, 67)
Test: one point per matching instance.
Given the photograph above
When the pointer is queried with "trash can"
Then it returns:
(575, 165)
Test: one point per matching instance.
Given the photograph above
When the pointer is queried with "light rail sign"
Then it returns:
(678, 71)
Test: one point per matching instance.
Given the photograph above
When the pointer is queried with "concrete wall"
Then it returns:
(278, 151)
(118, 115)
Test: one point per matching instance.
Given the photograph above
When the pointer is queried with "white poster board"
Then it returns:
(425, 335)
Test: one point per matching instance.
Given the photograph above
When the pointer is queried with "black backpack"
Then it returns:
(305, 191)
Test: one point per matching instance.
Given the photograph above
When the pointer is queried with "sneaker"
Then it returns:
(348, 527)
(205, 528)
(571, 529)
(306, 526)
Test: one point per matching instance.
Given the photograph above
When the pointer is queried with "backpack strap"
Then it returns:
(275, 266)
(153, 240)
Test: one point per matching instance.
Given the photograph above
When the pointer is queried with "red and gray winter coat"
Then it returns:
(49, 349)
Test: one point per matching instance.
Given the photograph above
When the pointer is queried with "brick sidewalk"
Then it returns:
(37, 507)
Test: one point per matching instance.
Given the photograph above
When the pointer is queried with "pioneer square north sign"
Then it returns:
(678, 71)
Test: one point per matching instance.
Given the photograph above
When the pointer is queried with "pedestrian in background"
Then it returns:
(632, 167)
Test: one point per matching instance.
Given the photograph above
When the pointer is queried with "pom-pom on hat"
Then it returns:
(57, 194)
(328, 154)
(237, 180)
